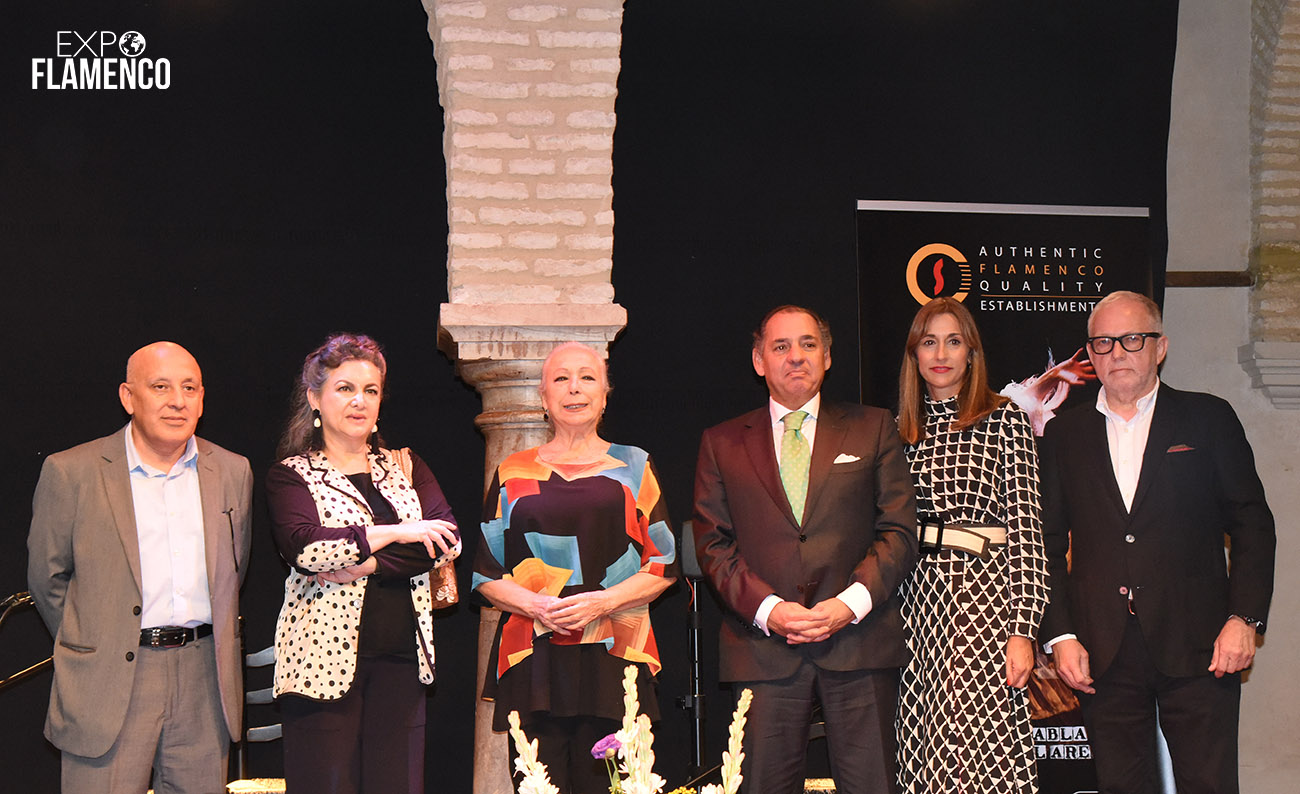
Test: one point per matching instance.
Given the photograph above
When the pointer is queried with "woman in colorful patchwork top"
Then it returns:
(972, 607)
(575, 545)
(361, 527)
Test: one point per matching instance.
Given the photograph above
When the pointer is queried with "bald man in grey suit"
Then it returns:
(138, 546)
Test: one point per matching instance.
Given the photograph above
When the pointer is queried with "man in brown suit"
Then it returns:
(805, 522)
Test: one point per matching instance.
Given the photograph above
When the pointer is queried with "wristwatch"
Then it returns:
(1257, 624)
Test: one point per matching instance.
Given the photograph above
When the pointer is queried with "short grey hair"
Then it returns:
(823, 327)
(1152, 309)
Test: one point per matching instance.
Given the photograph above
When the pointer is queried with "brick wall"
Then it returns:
(1275, 169)
(528, 96)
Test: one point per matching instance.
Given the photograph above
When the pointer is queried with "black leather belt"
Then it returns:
(172, 636)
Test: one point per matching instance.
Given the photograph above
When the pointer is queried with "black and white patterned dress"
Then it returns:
(960, 727)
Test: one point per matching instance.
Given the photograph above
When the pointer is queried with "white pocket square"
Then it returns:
(845, 458)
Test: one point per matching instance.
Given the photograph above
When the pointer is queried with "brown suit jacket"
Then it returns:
(84, 573)
(860, 526)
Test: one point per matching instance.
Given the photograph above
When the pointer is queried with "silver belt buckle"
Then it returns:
(158, 637)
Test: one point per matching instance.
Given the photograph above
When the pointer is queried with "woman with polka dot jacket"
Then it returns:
(360, 531)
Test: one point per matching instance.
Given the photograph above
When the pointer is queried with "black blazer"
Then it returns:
(1197, 484)
(860, 526)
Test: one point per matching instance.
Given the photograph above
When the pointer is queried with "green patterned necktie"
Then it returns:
(795, 457)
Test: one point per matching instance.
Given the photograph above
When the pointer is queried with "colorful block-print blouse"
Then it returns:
(565, 535)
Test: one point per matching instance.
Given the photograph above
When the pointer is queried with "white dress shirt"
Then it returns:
(169, 525)
(1127, 440)
(856, 596)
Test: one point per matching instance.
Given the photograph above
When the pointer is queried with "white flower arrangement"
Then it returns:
(536, 780)
(631, 745)
(732, 756)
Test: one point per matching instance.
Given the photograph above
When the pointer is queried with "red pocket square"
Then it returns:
(1181, 448)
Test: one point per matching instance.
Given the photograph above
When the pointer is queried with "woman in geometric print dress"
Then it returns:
(361, 527)
(974, 602)
(575, 544)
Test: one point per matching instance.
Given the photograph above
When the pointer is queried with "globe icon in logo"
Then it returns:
(131, 44)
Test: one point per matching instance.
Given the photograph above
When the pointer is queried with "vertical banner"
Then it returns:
(1030, 274)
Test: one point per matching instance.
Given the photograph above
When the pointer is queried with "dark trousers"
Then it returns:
(859, 707)
(564, 745)
(1198, 716)
(371, 740)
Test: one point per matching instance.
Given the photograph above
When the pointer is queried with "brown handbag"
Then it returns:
(442, 580)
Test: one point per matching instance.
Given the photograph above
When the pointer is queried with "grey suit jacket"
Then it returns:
(84, 574)
(859, 526)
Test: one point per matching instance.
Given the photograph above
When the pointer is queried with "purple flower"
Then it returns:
(607, 747)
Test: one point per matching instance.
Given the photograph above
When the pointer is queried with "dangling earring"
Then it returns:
(375, 429)
(546, 416)
(315, 413)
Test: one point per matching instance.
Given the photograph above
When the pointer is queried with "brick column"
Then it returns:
(1273, 357)
(527, 92)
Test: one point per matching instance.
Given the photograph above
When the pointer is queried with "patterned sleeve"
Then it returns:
(1026, 562)
(659, 547)
(299, 536)
(489, 557)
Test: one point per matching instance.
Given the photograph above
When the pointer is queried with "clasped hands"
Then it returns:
(571, 613)
(800, 624)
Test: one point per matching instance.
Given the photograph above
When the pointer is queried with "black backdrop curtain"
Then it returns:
(290, 183)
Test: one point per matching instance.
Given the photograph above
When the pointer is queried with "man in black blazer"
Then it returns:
(812, 591)
(1145, 616)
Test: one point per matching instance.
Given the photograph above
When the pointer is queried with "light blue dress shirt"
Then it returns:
(169, 525)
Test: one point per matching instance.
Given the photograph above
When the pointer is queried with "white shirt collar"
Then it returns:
(134, 462)
(778, 411)
(1145, 405)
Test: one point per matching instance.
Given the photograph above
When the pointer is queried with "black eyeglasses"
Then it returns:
(1101, 345)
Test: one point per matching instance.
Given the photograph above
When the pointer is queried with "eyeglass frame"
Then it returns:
(1114, 340)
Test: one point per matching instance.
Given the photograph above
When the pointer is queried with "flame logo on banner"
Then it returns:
(948, 258)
